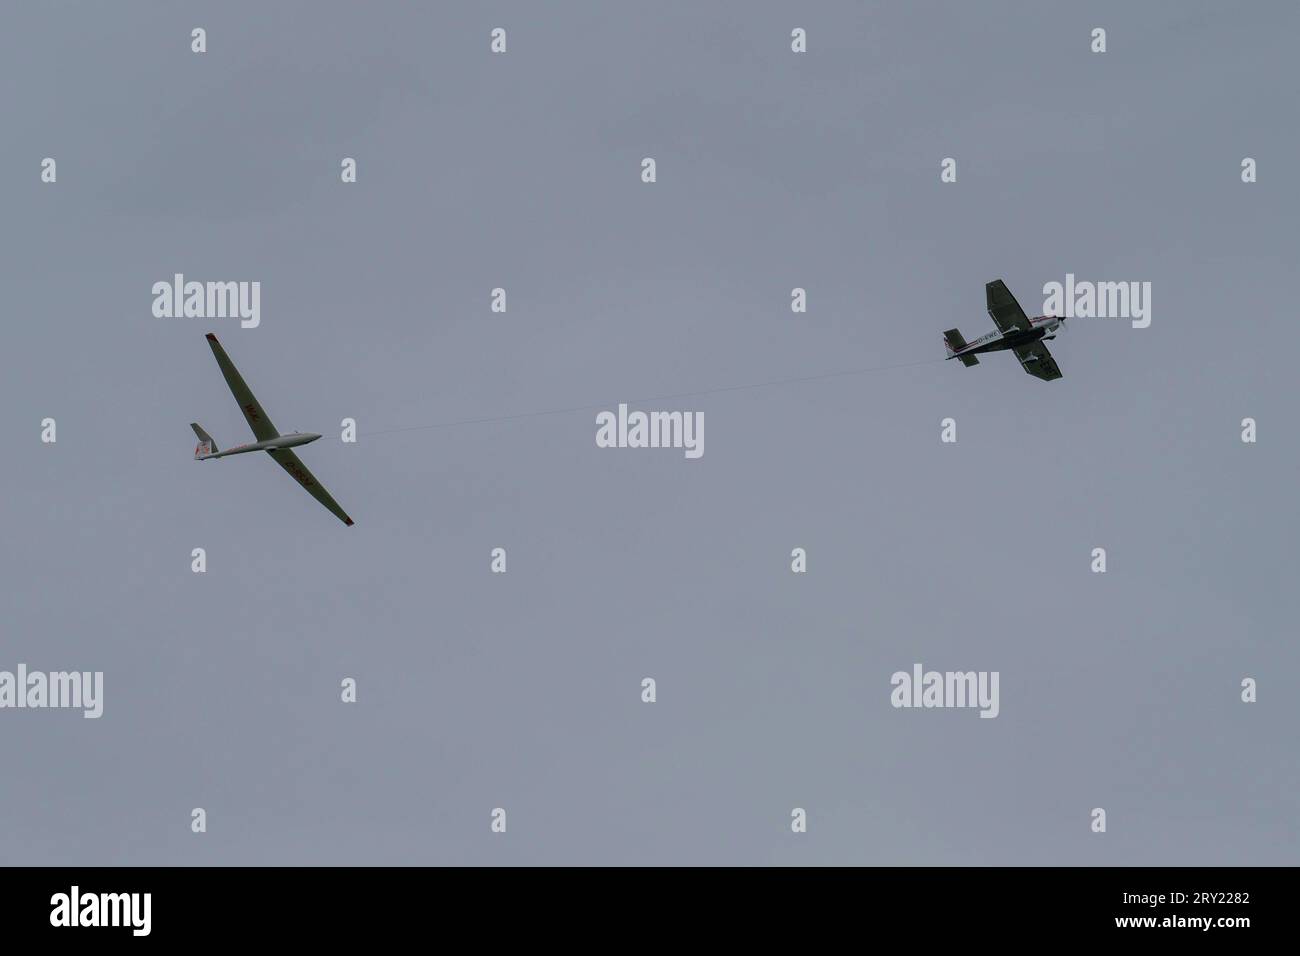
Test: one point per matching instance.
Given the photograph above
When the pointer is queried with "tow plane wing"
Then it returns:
(1038, 361)
(1004, 310)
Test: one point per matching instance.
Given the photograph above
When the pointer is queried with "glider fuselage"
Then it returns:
(283, 441)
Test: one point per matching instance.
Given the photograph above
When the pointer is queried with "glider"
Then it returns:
(268, 439)
(1016, 331)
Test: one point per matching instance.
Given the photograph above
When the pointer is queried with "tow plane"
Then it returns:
(278, 446)
(1016, 331)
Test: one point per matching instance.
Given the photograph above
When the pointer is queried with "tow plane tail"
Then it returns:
(956, 342)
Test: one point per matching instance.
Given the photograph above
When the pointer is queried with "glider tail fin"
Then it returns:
(206, 445)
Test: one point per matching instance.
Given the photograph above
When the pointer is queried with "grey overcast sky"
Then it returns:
(523, 691)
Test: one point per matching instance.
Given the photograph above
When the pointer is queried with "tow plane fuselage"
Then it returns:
(1044, 327)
